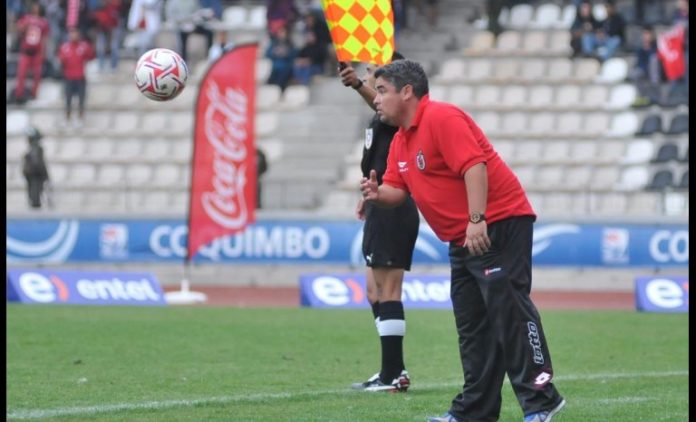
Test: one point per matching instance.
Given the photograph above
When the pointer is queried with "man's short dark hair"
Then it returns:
(405, 72)
(397, 56)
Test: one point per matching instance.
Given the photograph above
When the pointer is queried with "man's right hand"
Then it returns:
(347, 74)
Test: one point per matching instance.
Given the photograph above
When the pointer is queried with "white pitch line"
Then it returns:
(20, 414)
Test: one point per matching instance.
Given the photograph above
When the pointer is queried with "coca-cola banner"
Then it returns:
(223, 173)
(670, 49)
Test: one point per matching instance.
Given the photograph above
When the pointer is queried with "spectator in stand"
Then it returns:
(681, 17)
(108, 32)
(55, 14)
(32, 32)
(189, 17)
(261, 168)
(647, 72)
(74, 55)
(144, 18)
(34, 167)
(316, 23)
(309, 60)
(603, 42)
(220, 46)
(281, 13)
(430, 11)
(282, 54)
(583, 24)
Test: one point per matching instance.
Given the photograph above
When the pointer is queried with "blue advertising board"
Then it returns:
(662, 294)
(325, 242)
(83, 288)
(349, 291)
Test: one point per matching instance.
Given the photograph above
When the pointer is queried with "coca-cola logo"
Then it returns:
(225, 122)
(671, 51)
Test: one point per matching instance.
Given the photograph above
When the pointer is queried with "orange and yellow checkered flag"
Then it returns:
(361, 30)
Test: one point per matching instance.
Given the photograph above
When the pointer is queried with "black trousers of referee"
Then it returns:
(498, 325)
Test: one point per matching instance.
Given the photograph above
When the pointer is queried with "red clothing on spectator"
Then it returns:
(34, 32)
(107, 16)
(73, 56)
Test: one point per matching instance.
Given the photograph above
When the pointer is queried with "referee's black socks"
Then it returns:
(392, 328)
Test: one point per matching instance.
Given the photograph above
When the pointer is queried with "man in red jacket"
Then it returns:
(471, 199)
(32, 30)
(74, 55)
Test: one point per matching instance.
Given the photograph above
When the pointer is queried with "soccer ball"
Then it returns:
(161, 74)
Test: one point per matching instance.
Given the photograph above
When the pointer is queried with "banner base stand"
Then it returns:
(185, 296)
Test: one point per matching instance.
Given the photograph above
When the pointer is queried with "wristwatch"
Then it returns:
(476, 217)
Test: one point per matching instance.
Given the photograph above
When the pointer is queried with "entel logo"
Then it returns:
(335, 292)
(666, 293)
(41, 289)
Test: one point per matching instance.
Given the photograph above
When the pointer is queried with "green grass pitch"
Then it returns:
(225, 364)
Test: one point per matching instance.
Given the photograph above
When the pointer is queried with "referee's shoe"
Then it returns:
(399, 384)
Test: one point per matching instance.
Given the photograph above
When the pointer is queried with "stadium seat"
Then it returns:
(128, 150)
(623, 125)
(98, 123)
(487, 96)
(504, 17)
(577, 178)
(266, 124)
(166, 175)
(181, 123)
(540, 96)
(234, 17)
(685, 157)
(610, 204)
(547, 16)
(683, 180)
(508, 43)
(541, 124)
(111, 175)
(99, 150)
(514, 123)
(594, 96)
(528, 152)
(583, 151)
(256, 18)
(520, 16)
(568, 97)
(556, 152)
(263, 69)
(478, 69)
(481, 42)
(560, 70)
(505, 150)
(525, 174)
(661, 180)
(610, 152)
(676, 96)
(666, 153)
(452, 70)
(489, 122)
(155, 123)
(614, 70)
(69, 201)
(58, 173)
(267, 96)
(567, 17)
(71, 149)
(82, 174)
(438, 92)
(532, 70)
(569, 124)
(652, 124)
(676, 203)
(621, 97)
(16, 148)
(126, 122)
(585, 70)
(156, 150)
(126, 98)
(557, 204)
(604, 178)
(514, 96)
(98, 201)
(639, 151)
(679, 125)
(505, 69)
(549, 178)
(461, 95)
(138, 175)
(633, 178)
(45, 121)
(559, 43)
(17, 121)
(295, 97)
(535, 43)
(644, 203)
(13, 176)
(599, 12)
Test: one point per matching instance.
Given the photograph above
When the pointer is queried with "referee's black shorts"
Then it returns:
(389, 235)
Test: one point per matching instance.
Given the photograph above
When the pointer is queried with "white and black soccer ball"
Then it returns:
(161, 74)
